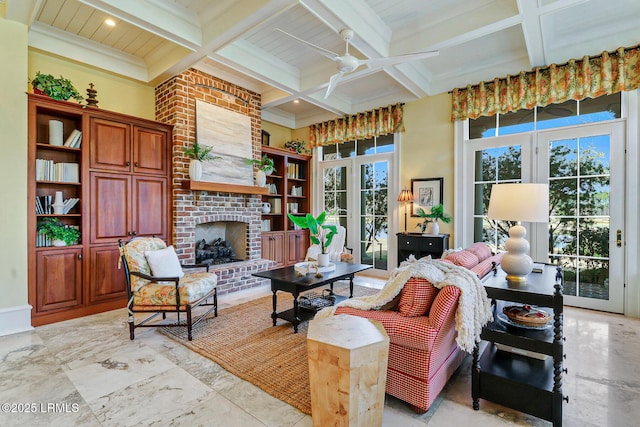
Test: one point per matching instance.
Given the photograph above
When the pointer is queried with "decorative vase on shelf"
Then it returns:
(261, 178)
(58, 242)
(55, 132)
(323, 260)
(435, 227)
(58, 204)
(195, 170)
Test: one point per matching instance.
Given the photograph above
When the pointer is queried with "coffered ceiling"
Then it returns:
(235, 40)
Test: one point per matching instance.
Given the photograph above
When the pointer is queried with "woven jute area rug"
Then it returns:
(243, 340)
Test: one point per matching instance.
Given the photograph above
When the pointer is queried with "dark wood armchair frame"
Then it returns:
(190, 323)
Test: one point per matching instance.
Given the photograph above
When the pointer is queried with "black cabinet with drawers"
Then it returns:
(420, 245)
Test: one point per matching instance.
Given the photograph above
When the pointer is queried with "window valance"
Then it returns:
(381, 121)
(611, 72)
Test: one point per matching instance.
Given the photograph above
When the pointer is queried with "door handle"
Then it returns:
(128, 163)
(79, 256)
(619, 238)
(136, 163)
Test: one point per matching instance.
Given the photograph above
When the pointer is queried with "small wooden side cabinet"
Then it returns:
(519, 367)
(420, 245)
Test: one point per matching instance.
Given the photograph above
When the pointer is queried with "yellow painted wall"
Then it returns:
(426, 151)
(13, 164)
(115, 93)
(278, 134)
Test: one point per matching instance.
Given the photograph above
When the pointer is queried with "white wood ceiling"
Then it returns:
(235, 40)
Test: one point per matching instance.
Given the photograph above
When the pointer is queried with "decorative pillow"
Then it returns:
(464, 259)
(164, 263)
(449, 251)
(416, 297)
(481, 250)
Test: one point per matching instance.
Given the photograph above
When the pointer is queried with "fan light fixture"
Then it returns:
(521, 203)
(348, 63)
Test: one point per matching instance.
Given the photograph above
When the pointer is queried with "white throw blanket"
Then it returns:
(474, 308)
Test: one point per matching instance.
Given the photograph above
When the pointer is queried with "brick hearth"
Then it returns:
(175, 104)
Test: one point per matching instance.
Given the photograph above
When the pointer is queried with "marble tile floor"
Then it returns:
(86, 372)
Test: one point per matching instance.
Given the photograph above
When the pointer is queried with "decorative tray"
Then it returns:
(504, 319)
(311, 267)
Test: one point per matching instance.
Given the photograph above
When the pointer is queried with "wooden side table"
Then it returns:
(347, 370)
(420, 245)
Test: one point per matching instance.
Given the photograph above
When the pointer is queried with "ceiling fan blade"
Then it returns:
(391, 60)
(333, 81)
(320, 50)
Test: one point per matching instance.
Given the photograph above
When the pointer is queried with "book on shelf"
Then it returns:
(69, 204)
(72, 138)
(47, 170)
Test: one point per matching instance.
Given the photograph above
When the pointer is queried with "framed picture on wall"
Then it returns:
(265, 137)
(427, 192)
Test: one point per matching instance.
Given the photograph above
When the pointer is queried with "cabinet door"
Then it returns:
(273, 247)
(296, 248)
(106, 281)
(110, 145)
(149, 200)
(149, 151)
(111, 209)
(58, 279)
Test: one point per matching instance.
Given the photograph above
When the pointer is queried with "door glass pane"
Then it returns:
(366, 146)
(374, 214)
(347, 149)
(335, 194)
(579, 200)
(384, 144)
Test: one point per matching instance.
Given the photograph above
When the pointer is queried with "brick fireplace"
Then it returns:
(175, 104)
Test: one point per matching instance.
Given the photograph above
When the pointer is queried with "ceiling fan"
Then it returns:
(348, 63)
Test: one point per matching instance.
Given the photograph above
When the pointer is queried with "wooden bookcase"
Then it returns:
(289, 191)
(123, 186)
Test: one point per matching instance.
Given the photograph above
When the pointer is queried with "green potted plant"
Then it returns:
(299, 147)
(265, 166)
(198, 154)
(319, 233)
(60, 234)
(56, 88)
(437, 213)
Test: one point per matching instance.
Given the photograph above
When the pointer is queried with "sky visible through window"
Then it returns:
(551, 124)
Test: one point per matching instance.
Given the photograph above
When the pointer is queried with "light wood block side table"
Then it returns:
(347, 370)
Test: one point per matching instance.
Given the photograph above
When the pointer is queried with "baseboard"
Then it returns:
(15, 319)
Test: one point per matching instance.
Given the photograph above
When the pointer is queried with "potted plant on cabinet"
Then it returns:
(265, 166)
(60, 234)
(299, 147)
(198, 154)
(319, 233)
(437, 213)
(56, 88)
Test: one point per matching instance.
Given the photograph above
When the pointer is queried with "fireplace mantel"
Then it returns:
(223, 188)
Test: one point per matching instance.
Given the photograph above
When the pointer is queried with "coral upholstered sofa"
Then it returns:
(423, 352)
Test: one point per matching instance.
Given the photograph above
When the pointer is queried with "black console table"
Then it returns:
(420, 245)
(526, 374)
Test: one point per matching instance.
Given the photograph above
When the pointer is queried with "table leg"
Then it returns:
(274, 315)
(351, 286)
(475, 378)
(296, 312)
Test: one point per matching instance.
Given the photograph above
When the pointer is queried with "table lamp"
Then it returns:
(405, 197)
(520, 203)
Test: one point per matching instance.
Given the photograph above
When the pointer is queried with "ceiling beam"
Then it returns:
(23, 11)
(165, 19)
(58, 42)
(532, 32)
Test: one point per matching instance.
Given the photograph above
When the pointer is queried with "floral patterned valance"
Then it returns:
(382, 121)
(590, 77)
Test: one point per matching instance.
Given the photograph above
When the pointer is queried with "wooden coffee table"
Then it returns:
(287, 280)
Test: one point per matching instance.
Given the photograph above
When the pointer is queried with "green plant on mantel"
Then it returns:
(56, 230)
(200, 152)
(60, 89)
(265, 164)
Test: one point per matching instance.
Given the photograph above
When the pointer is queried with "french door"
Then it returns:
(356, 196)
(585, 169)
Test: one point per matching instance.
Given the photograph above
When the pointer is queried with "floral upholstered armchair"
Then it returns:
(157, 285)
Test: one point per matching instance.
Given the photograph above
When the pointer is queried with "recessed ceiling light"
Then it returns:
(296, 101)
(110, 22)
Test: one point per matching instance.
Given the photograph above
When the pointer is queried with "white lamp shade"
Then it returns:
(519, 202)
